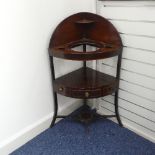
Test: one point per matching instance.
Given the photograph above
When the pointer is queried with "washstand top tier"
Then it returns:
(85, 29)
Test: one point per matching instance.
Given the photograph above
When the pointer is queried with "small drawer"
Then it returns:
(108, 90)
(86, 93)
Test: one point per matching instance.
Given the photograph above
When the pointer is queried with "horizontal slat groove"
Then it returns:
(133, 103)
(140, 85)
(131, 13)
(138, 73)
(133, 6)
(143, 92)
(129, 71)
(137, 35)
(130, 60)
(138, 42)
(147, 50)
(137, 84)
(127, 20)
(135, 28)
(138, 61)
(127, 3)
(144, 122)
(130, 111)
(130, 57)
(129, 120)
(138, 55)
(136, 99)
(137, 95)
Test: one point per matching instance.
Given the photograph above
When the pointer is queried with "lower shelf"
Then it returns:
(85, 83)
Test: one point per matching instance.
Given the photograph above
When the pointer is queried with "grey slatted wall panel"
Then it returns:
(135, 22)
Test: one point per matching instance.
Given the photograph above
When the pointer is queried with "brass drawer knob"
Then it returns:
(86, 94)
(60, 89)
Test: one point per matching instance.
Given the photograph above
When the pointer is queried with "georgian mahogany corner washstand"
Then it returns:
(83, 29)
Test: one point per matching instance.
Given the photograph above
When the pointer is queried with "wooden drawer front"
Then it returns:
(86, 93)
(62, 90)
(108, 90)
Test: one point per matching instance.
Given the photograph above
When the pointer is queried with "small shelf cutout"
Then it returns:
(85, 21)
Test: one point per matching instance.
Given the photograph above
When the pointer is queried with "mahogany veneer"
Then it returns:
(85, 28)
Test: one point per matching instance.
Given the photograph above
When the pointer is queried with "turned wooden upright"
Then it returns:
(85, 29)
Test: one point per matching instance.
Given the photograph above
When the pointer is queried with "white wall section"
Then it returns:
(25, 80)
(135, 22)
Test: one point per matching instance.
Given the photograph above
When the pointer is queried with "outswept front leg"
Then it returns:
(116, 109)
(55, 110)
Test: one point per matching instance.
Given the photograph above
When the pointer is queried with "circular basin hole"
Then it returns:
(89, 48)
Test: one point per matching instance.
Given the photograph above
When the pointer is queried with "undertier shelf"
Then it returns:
(85, 83)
